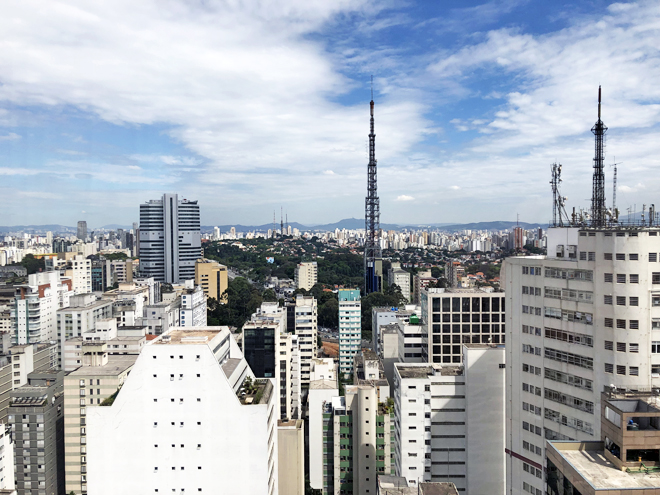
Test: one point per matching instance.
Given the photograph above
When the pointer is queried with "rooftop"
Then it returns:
(255, 391)
(230, 366)
(193, 337)
(422, 371)
(588, 460)
(93, 305)
(117, 364)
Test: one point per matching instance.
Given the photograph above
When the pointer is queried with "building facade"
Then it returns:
(306, 327)
(583, 317)
(170, 239)
(306, 275)
(213, 278)
(453, 317)
(350, 328)
(189, 418)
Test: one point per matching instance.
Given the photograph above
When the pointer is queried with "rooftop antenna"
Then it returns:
(614, 189)
(558, 201)
(598, 210)
(372, 252)
(281, 222)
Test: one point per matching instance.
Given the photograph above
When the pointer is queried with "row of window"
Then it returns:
(529, 488)
(534, 449)
(532, 291)
(622, 324)
(528, 468)
(531, 408)
(467, 318)
(530, 349)
(531, 310)
(531, 389)
(574, 423)
(531, 270)
(569, 379)
(532, 429)
(531, 330)
(621, 346)
(621, 300)
(569, 400)
(621, 370)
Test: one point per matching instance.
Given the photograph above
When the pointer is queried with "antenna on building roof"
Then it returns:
(598, 209)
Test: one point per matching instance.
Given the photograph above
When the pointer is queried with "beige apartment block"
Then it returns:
(88, 386)
(213, 278)
(291, 448)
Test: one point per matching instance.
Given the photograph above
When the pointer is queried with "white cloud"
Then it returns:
(455, 188)
(328, 172)
(12, 136)
(404, 197)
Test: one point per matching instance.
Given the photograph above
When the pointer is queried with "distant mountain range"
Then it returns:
(347, 223)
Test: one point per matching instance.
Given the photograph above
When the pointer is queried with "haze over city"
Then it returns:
(250, 106)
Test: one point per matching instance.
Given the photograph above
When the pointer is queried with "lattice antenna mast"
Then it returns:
(614, 210)
(598, 208)
(281, 222)
(372, 252)
(558, 201)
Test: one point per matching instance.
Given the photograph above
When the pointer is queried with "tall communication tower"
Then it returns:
(598, 208)
(373, 262)
(281, 222)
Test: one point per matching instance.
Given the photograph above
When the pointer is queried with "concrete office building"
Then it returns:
(99, 377)
(411, 340)
(79, 270)
(170, 239)
(154, 295)
(81, 316)
(450, 421)
(161, 317)
(398, 276)
(35, 306)
(306, 327)
(213, 278)
(193, 306)
(583, 317)
(350, 328)
(81, 232)
(453, 317)
(18, 364)
(36, 419)
(306, 275)
(385, 315)
(421, 280)
(203, 422)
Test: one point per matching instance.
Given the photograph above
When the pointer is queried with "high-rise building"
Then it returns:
(398, 276)
(306, 326)
(81, 232)
(306, 275)
(450, 421)
(170, 239)
(453, 317)
(578, 319)
(35, 306)
(190, 417)
(36, 417)
(213, 278)
(350, 328)
(193, 306)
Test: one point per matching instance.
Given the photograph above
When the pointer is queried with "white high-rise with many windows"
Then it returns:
(170, 240)
(350, 328)
(583, 317)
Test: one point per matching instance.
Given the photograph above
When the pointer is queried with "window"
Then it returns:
(620, 278)
(620, 370)
(634, 278)
(633, 347)
(609, 345)
(621, 256)
(634, 301)
(609, 322)
(583, 256)
(621, 347)
(607, 299)
(608, 256)
(608, 277)
(621, 324)
(633, 256)
(653, 257)
(609, 368)
(634, 324)
(592, 256)
(634, 371)
(655, 347)
(655, 278)
(620, 300)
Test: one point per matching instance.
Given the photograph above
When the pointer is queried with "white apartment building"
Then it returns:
(193, 307)
(306, 326)
(81, 274)
(161, 317)
(35, 307)
(190, 418)
(454, 317)
(170, 240)
(411, 339)
(289, 376)
(350, 328)
(306, 275)
(385, 315)
(583, 317)
(449, 421)
(398, 276)
(81, 316)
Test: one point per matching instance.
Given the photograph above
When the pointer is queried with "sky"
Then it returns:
(254, 106)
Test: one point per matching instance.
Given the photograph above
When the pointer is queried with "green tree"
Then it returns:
(32, 264)
(328, 315)
(436, 272)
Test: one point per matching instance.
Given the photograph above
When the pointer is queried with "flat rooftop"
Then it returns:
(230, 366)
(598, 471)
(192, 337)
(408, 371)
(117, 364)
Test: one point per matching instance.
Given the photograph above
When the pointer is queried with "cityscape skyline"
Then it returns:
(471, 115)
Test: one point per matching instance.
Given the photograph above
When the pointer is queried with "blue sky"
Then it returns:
(249, 106)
